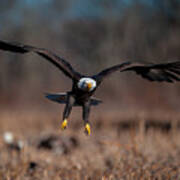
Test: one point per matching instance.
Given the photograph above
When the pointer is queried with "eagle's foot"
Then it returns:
(87, 129)
(64, 124)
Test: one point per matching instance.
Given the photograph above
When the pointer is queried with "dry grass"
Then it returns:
(125, 148)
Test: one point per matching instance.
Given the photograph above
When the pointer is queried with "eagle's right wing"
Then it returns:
(59, 62)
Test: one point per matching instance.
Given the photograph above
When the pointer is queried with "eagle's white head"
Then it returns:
(87, 84)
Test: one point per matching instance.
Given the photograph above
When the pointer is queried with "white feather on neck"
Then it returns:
(82, 84)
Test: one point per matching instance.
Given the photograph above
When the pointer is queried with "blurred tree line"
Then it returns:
(91, 35)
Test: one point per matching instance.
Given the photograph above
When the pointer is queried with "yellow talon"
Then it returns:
(87, 129)
(64, 124)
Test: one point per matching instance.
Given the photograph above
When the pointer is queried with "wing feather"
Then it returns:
(164, 72)
(58, 61)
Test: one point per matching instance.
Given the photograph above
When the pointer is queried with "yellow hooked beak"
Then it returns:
(89, 85)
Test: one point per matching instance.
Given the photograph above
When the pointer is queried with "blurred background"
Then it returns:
(135, 132)
(91, 35)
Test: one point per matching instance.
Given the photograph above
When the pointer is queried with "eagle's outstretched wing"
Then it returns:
(59, 62)
(168, 72)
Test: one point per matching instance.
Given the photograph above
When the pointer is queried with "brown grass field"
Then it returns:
(123, 145)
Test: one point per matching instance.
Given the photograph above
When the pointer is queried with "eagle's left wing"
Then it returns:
(168, 72)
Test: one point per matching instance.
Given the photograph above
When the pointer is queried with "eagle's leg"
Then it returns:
(86, 110)
(67, 111)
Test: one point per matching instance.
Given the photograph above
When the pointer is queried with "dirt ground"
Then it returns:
(123, 145)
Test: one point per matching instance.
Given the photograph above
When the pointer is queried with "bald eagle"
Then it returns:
(83, 87)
